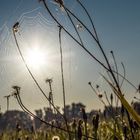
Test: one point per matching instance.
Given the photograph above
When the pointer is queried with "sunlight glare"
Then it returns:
(36, 58)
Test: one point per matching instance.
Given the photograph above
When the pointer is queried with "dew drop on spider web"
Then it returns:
(79, 27)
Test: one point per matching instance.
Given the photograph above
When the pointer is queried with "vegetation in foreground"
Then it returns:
(120, 126)
(111, 124)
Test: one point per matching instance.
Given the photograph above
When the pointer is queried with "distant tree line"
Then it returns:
(14, 119)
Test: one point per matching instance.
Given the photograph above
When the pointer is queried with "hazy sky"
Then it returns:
(118, 26)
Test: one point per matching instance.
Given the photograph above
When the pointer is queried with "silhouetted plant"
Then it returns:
(115, 85)
(95, 123)
(85, 122)
(115, 81)
(80, 133)
(74, 127)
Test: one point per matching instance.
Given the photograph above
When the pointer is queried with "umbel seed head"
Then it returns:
(16, 88)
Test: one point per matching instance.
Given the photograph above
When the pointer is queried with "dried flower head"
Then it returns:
(49, 80)
(16, 26)
(7, 96)
(60, 2)
(16, 87)
(100, 95)
(89, 83)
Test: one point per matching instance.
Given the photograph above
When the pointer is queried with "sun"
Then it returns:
(36, 58)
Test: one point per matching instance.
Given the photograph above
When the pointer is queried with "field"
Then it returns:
(60, 39)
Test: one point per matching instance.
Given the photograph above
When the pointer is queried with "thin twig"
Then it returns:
(63, 82)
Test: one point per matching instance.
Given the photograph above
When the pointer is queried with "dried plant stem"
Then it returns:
(115, 63)
(63, 82)
(50, 93)
(124, 74)
(7, 100)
